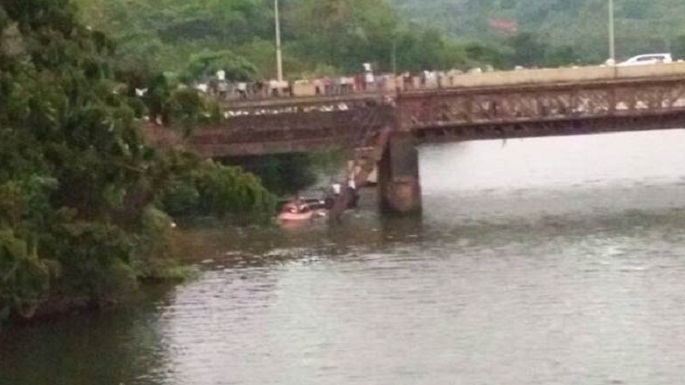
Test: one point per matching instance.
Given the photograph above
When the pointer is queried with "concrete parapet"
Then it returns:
(566, 75)
(304, 89)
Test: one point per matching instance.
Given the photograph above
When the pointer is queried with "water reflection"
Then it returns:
(114, 347)
(557, 260)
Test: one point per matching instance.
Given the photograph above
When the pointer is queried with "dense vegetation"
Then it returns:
(79, 190)
(319, 36)
(641, 25)
(322, 37)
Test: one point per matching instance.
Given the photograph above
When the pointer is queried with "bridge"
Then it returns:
(497, 105)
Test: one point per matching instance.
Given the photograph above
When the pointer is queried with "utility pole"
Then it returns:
(612, 48)
(279, 58)
(394, 57)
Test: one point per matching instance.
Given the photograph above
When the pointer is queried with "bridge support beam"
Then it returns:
(398, 176)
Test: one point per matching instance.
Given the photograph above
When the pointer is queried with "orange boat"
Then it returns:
(292, 212)
(301, 216)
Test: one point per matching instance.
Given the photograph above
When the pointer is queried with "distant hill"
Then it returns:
(190, 38)
(641, 25)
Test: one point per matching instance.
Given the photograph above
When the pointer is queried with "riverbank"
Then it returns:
(200, 243)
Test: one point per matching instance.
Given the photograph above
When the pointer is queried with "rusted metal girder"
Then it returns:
(542, 110)
(303, 102)
(301, 127)
(454, 114)
(278, 106)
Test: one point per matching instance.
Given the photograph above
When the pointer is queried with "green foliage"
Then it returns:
(216, 189)
(226, 189)
(206, 63)
(155, 257)
(342, 34)
(487, 54)
(77, 183)
(182, 199)
(24, 276)
(237, 36)
(167, 102)
(678, 46)
(167, 32)
(527, 50)
(282, 174)
(188, 109)
(327, 163)
(97, 258)
(641, 25)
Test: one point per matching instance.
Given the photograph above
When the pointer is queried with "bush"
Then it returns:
(24, 277)
(217, 190)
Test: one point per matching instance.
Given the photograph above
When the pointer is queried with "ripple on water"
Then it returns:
(555, 276)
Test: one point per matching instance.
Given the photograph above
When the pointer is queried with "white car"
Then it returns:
(650, 58)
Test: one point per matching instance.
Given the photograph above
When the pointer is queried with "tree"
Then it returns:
(344, 33)
(527, 50)
(206, 64)
(77, 184)
(678, 46)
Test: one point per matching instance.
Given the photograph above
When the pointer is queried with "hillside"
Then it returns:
(641, 25)
(320, 37)
(326, 37)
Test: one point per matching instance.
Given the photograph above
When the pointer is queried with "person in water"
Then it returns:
(352, 185)
(296, 205)
(290, 207)
(335, 188)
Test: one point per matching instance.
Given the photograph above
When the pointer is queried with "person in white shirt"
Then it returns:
(351, 184)
(355, 195)
(242, 90)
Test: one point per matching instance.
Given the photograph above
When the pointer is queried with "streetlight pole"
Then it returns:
(394, 57)
(279, 58)
(612, 49)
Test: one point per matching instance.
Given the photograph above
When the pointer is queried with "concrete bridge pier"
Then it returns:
(399, 187)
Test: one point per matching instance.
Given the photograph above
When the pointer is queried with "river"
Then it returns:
(536, 261)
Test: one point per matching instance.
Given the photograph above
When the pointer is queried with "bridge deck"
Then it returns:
(481, 106)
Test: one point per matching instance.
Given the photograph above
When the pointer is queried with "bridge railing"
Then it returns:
(389, 84)
(568, 75)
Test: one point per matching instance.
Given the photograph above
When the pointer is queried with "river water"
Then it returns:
(536, 261)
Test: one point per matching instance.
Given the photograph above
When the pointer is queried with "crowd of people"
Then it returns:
(365, 82)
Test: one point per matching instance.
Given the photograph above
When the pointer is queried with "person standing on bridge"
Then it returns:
(242, 90)
(368, 76)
